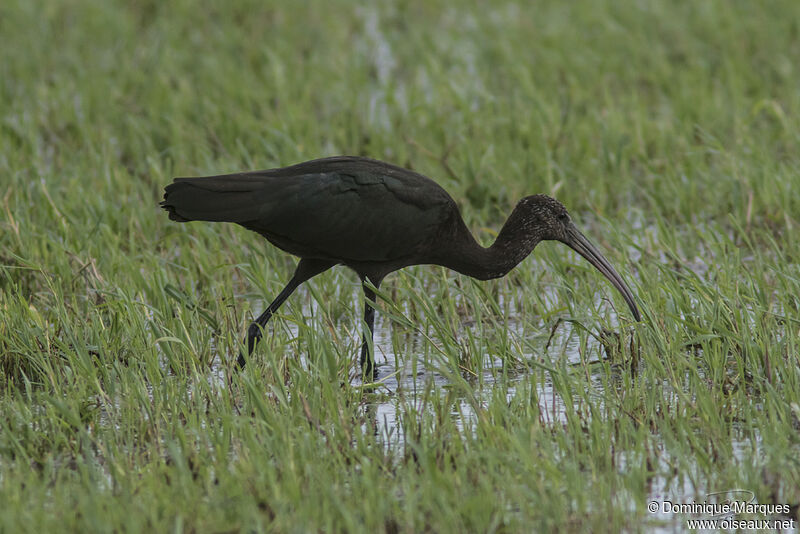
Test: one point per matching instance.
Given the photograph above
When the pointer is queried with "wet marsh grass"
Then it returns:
(669, 130)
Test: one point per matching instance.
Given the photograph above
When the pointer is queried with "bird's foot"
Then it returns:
(254, 334)
(369, 372)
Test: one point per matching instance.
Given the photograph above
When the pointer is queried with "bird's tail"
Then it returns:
(213, 198)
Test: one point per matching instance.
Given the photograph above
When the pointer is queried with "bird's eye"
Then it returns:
(564, 218)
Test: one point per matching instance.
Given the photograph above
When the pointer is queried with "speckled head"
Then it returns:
(544, 218)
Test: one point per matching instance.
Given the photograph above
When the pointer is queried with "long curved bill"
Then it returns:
(578, 242)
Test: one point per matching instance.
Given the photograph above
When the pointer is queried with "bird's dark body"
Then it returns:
(373, 217)
(352, 211)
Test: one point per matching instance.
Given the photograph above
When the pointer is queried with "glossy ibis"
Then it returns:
(374, 218)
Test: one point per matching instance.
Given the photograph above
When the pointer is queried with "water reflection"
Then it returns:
(414, 376)
(413, 380)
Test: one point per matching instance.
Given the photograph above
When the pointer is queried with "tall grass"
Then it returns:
(669, 129)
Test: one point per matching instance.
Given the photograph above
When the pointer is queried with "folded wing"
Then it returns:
(342, 209)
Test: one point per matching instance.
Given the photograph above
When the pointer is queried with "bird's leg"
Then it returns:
(305, 269)
(257, 326)
(367, 359)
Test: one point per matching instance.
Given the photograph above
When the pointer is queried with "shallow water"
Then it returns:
(412, 379)
(406, 386)
(409, 381)
(409, 385)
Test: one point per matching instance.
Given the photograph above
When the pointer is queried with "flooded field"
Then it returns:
(528, 403)
(408, 384)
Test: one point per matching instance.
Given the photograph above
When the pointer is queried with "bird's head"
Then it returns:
(540, 217)
(544, 217)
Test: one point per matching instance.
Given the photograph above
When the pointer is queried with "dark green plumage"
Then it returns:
(341, 209)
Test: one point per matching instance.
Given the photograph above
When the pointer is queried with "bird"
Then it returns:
(375, 218)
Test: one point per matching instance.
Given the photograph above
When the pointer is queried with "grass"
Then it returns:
(668, 128)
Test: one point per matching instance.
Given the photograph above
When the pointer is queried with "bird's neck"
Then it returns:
(512, 246)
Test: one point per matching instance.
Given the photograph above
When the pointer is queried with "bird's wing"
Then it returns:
(355, 217)
(341, 211)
